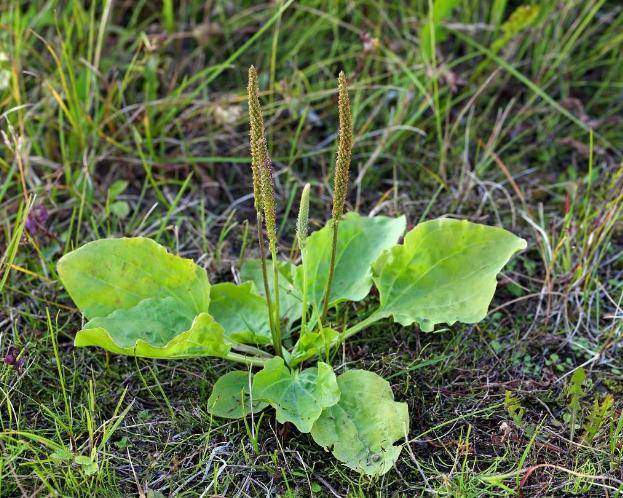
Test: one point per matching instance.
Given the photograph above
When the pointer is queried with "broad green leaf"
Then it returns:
(297, 397)
(361, 240)
(362, 428)
(313, 344)
(289, 298)
(111, 274)
(241, 311)
(230, 396)
(443, 273)
(156, 328)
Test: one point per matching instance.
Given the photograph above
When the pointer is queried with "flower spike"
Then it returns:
(340, 179)
(344, 149)
(302, 221)
(256, 137)
(268, 201)
(264, 199)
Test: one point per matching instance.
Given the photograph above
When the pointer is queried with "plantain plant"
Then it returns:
(140, 300)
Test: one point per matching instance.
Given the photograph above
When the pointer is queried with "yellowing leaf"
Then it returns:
(297, 397)
(444, 272)
(363, 426)
(155, 328)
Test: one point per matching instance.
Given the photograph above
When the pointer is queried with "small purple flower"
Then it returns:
(10, 358)
(14, 359)
(36, 219)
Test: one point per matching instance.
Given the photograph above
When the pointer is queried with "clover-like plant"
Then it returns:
(140, 300)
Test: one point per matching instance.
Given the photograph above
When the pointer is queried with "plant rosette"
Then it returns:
(140, 300)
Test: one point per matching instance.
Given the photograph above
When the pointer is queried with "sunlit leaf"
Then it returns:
(363, 426)
(88, 465)
(521, 18)
(444, 272)
(297, 397)
(361, 240)
(112, 274)
(156, 328)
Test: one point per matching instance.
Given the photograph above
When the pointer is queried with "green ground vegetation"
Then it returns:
(129, 118)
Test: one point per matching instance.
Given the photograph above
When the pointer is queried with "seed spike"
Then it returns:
(268, 201)
(340, 179)
(256, 137)
(270, 220)
(264, 199)
(344, 149)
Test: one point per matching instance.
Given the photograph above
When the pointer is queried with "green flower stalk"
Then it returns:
(302, 223)
(270, 220)
(264, 200)
(340, 179)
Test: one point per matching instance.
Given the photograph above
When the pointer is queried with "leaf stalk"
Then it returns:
(246, 360)
(358, 327)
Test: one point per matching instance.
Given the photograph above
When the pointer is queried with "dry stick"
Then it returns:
(340, 179)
